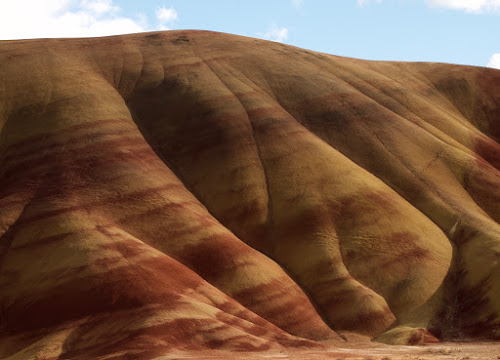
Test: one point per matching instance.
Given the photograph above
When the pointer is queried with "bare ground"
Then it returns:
(451, 351)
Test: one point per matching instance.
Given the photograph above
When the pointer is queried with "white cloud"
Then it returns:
(362, 3)
(25, 19)
(275, 34)
(297, 4)
(473, 6)
(165, 15)
(99, 7)
(494, 61)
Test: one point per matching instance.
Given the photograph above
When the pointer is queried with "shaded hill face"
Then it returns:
(195, 190)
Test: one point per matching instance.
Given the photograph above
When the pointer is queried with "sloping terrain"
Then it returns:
(191, 190)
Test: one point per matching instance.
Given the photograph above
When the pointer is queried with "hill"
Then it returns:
(191, 190)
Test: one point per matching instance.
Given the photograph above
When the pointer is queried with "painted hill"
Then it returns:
(194, 190)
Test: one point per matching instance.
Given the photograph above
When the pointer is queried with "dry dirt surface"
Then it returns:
(444, 351)
(191, 193)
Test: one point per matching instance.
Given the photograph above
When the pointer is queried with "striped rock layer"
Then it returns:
(190, 190)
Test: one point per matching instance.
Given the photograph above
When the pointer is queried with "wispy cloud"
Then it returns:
(24, 19)
(297, 4)
(473, 6)
(165, 17)
(363, 3)
(494, 61)
(99, 7)
(276, 33)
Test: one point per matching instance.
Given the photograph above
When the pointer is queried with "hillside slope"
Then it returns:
(198, 190)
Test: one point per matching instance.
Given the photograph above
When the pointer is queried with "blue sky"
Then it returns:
(453, 31)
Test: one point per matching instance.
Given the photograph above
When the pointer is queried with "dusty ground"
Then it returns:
(454, 351)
